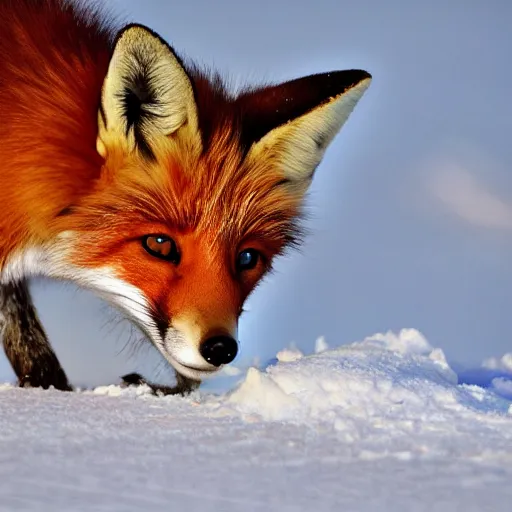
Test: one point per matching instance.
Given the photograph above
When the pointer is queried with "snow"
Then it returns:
(382, 424)
(503, 363)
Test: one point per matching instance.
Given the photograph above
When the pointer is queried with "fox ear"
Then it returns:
(293, 123)
(146, 93)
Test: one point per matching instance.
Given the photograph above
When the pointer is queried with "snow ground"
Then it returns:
(380, 425)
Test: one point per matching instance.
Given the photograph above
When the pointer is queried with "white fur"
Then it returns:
(138, 49)
(39, 261)
(180, 351)
(181, 345)
(128, 298)
(294, 144)
(183, 354)
(182, 342)
(31, 262)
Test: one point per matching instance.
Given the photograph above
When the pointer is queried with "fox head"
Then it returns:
(198, 192)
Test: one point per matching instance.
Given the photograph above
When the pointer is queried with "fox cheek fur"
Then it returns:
(183, 193)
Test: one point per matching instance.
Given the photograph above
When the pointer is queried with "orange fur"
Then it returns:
(51, 83)
(51, 72)
(91, 211)
(245, 207)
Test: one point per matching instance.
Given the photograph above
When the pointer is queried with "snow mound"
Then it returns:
(391, 384)
(503, 363)
(382, 424)
(495, 374)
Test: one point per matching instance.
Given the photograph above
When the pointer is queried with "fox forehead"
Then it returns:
(180, 150)
(217, 193)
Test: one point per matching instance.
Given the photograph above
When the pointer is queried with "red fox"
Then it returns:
(133, 173)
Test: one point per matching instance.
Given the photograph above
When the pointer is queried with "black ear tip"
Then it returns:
(365, 75)
(352, 76)
(343, 81)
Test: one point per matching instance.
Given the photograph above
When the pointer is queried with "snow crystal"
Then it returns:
(289, 354)
(231, 370)
(321, 345)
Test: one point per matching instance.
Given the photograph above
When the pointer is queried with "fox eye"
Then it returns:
(247, 259)
(161, 246)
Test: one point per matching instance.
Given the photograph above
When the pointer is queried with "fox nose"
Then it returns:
(219, 350)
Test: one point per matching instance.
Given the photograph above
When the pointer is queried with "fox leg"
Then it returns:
(25, 342)
(183, 387)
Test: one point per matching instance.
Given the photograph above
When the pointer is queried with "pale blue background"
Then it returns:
(412, 206)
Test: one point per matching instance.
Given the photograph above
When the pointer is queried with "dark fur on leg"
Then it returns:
(25, 342)
(184, 386)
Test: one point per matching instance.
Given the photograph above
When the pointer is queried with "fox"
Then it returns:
(133, 172)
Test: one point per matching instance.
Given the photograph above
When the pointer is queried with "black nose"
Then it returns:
(219, 350)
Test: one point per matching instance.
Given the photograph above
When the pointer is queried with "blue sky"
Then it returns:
(412, 206)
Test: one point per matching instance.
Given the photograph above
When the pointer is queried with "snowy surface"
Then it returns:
(380, 425)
